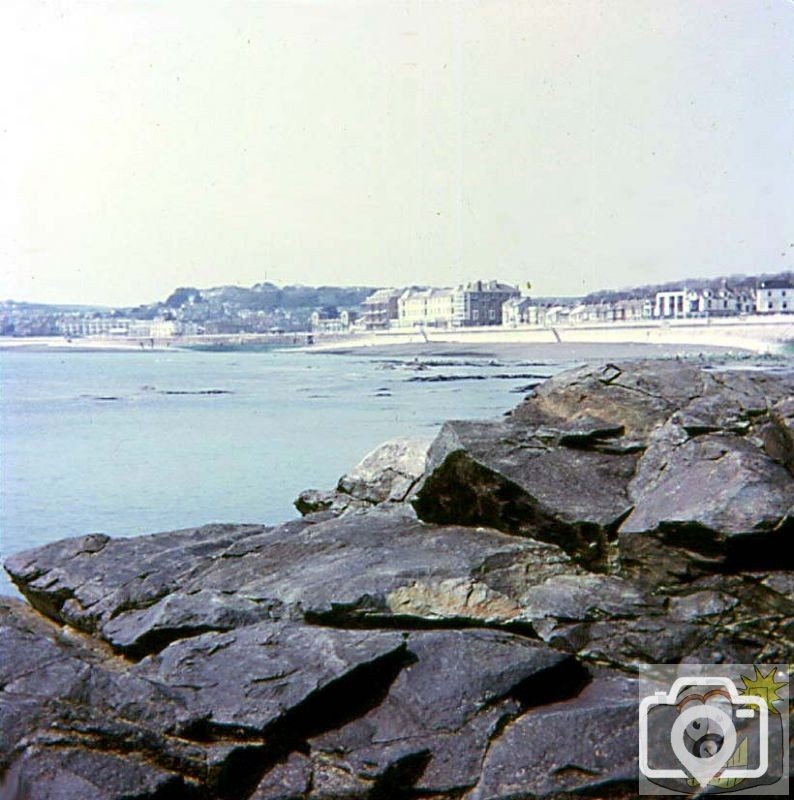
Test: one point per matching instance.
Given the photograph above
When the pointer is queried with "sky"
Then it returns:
(576, 144)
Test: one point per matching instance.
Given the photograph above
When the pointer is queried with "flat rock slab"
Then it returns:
(375, 567)
(264, 711)
(586, 745)
(75, 723)
(251, 679)
(74, 773)
(446, 725)
(382, 567)
(343, 569)
(84, 581)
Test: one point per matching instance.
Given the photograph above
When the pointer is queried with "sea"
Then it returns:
(127, 443)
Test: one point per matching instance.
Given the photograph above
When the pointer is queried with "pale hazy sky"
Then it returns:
(578, 144)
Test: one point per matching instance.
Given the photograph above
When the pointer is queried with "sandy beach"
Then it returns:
(541, 353)
(86, 344)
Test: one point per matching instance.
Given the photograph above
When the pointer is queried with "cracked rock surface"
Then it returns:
(462, 622)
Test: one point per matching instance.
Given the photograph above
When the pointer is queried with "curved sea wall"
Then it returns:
(761, 334)
(461, 621)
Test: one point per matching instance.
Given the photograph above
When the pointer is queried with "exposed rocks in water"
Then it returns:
(462, 622)
(195, 391)
(499, 376)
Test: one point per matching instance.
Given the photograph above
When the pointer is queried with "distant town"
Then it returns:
(268, 309)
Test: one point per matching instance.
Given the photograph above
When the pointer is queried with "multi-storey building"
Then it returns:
(480, 303)
(722, 302)
(93, 326)
(775, 297)
(426, 307)
(519, 311)
(381, 309)
(332, 321)
(476, 303)
(673, 304)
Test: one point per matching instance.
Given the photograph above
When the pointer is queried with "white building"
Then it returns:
(722, 302)
(332, 322)
(94, 326)
(673, 305)
(519, 311)
(775, 296)
(426, 307)
(164, 328)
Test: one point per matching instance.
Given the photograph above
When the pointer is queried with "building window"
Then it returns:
(785, 304)
(770, 306)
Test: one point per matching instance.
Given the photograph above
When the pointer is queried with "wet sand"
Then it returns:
(529, 352)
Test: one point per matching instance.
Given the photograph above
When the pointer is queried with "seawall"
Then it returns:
(758, 334)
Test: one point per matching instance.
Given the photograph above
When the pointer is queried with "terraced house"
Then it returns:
(470, 304)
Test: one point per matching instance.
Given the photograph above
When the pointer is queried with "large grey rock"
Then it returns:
(275, 709)
(81, 773)
(257, 678)
(778, 436)
(365, 652)
(639, 396)
(525, 480)
(86, 580)
(75, 723)
(444, 727)
(388, 473)
(206, 717)
(705, 501)
(380, 566)
(585, 745)
(653, 448)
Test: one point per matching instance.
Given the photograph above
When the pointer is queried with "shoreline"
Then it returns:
(759, 335)
(54, 344)
(544, 547)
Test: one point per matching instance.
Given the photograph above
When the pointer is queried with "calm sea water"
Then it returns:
(128, 443)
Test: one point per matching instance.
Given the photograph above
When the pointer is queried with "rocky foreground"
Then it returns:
(458, 622)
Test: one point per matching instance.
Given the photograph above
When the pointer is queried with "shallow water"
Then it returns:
(130, 443)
